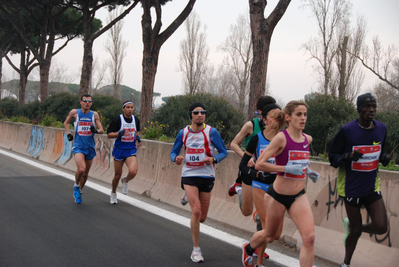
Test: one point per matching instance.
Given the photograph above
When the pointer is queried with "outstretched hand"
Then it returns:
(384, 159)
(313, 175)
(93, 129)
(354, 156)
(294, 169)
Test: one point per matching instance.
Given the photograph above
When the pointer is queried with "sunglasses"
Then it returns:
(196, 112)
(87, 100)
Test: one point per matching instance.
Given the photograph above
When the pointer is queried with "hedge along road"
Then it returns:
(42, 226)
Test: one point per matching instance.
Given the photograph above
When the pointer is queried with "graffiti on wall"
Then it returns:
(335, 201)
(66, 154)
(36, 142)
(103, 150)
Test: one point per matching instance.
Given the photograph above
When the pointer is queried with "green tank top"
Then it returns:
(255, 131)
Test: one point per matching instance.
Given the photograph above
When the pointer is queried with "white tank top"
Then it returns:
(198, 146)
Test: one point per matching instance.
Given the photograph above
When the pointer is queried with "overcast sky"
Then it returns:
(289, 72)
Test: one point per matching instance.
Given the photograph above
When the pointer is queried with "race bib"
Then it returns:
(195, 157)
(84, 128)
(369, 161)
(129, 135)
(297, 157)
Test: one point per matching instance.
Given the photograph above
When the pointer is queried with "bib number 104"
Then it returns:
(194, 158)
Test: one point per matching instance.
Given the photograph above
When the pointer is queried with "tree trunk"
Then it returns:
(87, 64)
(117, 91)
(262, 30)
(242, 96)
(23, 78)
(44, 77)
(1, 75)
(150, 66)
(152, 42)
(342, 85)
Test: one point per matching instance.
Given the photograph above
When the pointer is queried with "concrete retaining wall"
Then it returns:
(159, 178)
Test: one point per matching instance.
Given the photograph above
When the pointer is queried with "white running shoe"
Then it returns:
(113, 199)
(184, 199)
(196, 256)
(124, 186)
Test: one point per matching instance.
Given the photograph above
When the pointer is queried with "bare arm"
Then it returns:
(72, 114)
(275, 147)
(99, 126)
(310, 139)
(113, 135)
(245, 131)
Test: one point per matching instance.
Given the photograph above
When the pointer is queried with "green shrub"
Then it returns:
(154, 130)
(48, 121)
(391, 119)
(109, 113)
(220, 114)
(30, 110)
(23, 119)
(59, 105)
(8, 106)
(326, 114)
(102, 101)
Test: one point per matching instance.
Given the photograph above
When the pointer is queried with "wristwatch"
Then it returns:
(214, 160)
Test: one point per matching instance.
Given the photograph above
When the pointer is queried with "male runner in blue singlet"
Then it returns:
(126, 129)
(85, 125)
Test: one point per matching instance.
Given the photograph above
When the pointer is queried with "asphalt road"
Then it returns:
(40, 225)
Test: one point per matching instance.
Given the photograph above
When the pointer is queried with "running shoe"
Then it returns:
(346, 225)
(184, 199)
(344, 265)
(124, 186)
(255, 217)
(196, 256)
(113, 199)
(232, 189)
(77, 195)
(247, 260)
(265, 255)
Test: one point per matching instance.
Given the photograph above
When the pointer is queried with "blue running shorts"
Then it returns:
(122, 154)
(259, 185)
(89, 152)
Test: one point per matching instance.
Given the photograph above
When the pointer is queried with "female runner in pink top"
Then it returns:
(291, 150)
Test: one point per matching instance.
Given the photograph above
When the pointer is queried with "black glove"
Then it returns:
(354, 156)
(384, 159)
(69, 137)
(121, 133)
(93, 129)
(138, 138)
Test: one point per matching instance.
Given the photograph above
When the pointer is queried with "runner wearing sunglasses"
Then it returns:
(85, 123)
(198, 173)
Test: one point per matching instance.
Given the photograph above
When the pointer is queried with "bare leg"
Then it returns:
(80, 167)
(83, 180)
(355, 231)
(118, 165)
(199, 203)
(258, 196)
(275, 215)
(131, 163)
(378, 225)
(246, 200)
(379, 220)
(302, 216)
